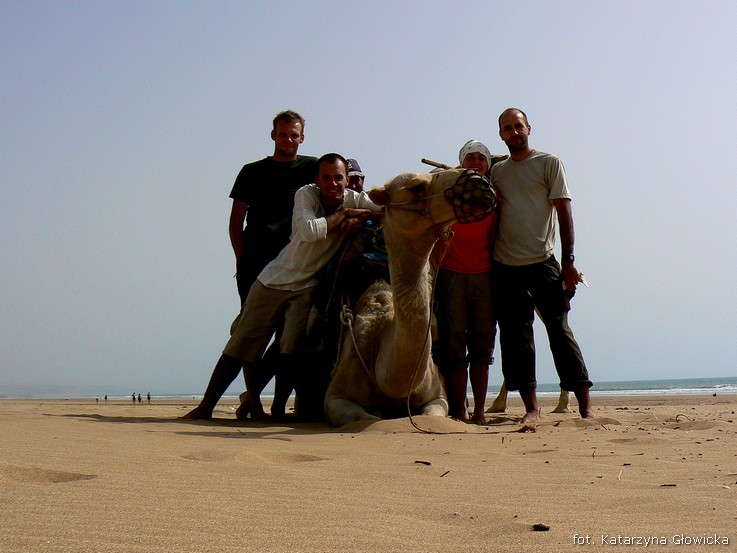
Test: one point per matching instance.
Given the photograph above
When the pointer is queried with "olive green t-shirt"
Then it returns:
(527, 217)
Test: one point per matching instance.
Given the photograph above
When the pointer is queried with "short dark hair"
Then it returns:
(332, 157)
(289, 116)
(510, 110)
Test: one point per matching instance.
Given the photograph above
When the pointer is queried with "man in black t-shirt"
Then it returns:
(264, 193)
(263, 202)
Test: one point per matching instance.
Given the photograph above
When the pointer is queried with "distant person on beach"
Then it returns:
(148, 398)
(355, 176)
(526, 276)
(133, 395)
(465, 313)
(263, 201)
(324, 213)
(139, 399)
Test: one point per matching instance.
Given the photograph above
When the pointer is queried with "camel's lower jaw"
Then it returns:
(474, 215)
(471, 212)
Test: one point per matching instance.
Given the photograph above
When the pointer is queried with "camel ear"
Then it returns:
(379, 196)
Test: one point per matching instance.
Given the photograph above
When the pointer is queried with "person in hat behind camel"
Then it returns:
(355, 176)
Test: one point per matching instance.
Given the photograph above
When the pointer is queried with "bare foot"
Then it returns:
(587, 414)
(198, 413)
(244, 408)
(584, 403)
(531, 416)
(279, 415)
(478, 418)
(257, 408)
(259, 415)
(461, 415)
(278, 410)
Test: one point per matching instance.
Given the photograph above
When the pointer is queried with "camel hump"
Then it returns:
(376, 298)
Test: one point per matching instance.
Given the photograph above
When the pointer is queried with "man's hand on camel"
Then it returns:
(353, 218)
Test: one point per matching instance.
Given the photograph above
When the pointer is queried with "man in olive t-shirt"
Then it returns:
(535, 200)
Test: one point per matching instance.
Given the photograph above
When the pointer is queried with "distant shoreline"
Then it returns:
(662, 387)
(603, 400)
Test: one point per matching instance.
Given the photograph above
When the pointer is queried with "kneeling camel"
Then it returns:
(385, 366)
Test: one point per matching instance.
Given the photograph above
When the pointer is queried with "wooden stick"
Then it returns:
(494, 159)
(435, 164)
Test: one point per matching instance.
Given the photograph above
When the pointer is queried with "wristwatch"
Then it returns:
(569, 257)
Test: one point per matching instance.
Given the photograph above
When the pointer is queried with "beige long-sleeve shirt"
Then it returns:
(310, 246)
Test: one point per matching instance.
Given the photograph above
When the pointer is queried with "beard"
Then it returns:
(517, 144)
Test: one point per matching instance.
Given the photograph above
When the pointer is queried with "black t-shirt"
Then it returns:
(268, 187)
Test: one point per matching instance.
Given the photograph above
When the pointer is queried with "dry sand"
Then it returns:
(80, 476)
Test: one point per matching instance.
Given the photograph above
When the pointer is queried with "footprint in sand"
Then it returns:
(288, 458)
(13, 473)
(637, 441)
(214, 456)
(583, 423)
(700, 425)
(209, 455)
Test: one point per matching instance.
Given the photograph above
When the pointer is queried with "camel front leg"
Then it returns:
(499, 405)
(340, 411)
(562, 406)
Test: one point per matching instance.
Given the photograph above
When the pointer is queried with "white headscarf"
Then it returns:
(473, 146)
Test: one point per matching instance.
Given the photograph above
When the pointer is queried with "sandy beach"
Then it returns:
(651, 472)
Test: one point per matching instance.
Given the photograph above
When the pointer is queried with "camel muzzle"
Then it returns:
(472, 197)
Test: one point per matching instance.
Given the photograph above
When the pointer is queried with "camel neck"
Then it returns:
(410, 332)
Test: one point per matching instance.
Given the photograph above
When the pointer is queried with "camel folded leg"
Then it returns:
(437, 408)
(341, 411)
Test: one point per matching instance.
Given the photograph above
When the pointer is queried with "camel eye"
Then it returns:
(417, 188)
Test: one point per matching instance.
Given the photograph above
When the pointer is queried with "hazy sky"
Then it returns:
(124, 124)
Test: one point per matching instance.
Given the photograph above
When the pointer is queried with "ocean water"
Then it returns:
(678, 386)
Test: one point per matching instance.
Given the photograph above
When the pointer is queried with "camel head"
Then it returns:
(436, 200)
